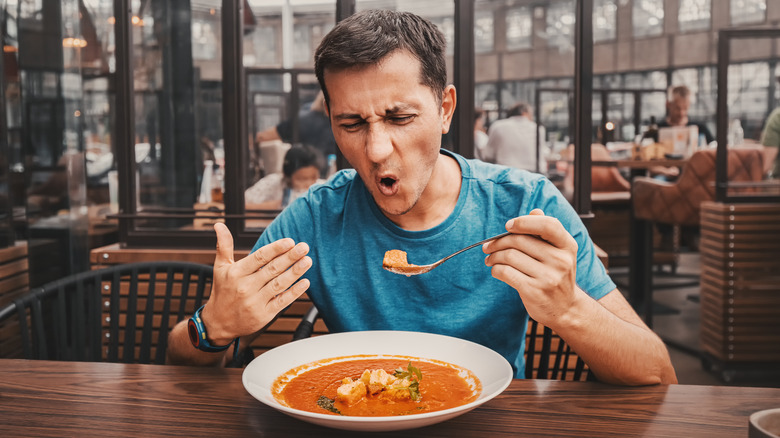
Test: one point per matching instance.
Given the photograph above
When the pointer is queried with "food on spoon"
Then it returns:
(395, 261)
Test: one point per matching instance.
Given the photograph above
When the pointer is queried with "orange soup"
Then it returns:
(314, 387)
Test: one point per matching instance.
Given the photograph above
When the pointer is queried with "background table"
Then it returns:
(41, 398)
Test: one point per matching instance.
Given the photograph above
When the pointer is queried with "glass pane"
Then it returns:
(747, 11)
(747, 96)
(604, 20)
(284, 104)
(518, 28)
(483, 31)
(648, 17)
(694, 15)
(560, 24)
(177, 74)
(440, 12)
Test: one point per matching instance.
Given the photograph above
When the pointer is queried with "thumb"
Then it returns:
(536, 212)
(224, 245)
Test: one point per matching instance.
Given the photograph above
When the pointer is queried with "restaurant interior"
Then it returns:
(130, 127)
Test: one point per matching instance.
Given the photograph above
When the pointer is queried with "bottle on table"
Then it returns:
(652, 131)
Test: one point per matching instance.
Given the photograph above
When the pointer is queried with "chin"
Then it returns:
(394, 208)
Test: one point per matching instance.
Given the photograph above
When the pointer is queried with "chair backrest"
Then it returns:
(604, 179)
(547, 356)
(122, 313)
(679, 202)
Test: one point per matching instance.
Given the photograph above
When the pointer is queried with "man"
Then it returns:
(384, 78)
(678, 103)
(512, 141)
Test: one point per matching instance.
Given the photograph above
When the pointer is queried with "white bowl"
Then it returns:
(493, 371)
(765, 424)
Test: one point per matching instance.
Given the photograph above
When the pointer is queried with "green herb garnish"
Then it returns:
(414, 375)
(328, 404)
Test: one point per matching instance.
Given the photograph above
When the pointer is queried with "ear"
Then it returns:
(448, 102)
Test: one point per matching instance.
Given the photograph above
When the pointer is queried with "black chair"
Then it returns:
(547, 356)
(122, 313)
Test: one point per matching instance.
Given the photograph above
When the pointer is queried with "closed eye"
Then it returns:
(352, 126)
(401, 120)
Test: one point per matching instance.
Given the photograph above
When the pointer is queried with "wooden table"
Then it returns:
(41, 398)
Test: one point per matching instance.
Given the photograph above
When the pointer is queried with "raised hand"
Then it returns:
(539, 260)
(249, 293)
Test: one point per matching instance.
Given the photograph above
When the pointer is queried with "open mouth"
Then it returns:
(388, 186)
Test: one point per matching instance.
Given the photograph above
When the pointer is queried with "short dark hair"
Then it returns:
(367, 37)
(519, 109)
(298, 157)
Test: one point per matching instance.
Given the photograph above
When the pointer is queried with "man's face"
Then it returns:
(678, 110)
(389, 127)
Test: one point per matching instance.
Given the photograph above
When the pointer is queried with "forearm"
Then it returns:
(617, 346)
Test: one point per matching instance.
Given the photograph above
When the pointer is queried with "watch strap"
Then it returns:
(199, 336)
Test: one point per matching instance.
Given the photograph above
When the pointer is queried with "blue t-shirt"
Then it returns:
(348, 236)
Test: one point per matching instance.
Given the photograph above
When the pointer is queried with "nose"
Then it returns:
(379, 145)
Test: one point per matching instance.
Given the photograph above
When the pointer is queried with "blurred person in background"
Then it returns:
(480, 134)
(313, 129)
(678, 103)
(512, 141)
(300, 171)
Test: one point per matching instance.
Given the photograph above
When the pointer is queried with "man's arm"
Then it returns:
(615, 343)
(540, 262)
(245, 296)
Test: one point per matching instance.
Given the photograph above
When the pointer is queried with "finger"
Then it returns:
(284, 299)
(547, 228)
(527, 247)
(536, 212)
(284, 280)
(258, 259)
(281, 264)
(224, 254)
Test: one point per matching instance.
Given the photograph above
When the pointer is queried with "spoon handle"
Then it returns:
(473, 245)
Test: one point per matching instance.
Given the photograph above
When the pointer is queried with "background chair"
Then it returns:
(678, 202)
(547, 356)
(122, 313)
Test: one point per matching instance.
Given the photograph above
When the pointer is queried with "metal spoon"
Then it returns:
(409, 270)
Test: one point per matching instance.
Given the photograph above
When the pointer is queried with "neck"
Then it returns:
(438, 200)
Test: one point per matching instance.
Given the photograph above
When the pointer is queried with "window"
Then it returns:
(694, 15)
(560, 24)
(604, 20)
(747, 96)
(483, 31)
(518, 28)
(747, 11)
(648, 18)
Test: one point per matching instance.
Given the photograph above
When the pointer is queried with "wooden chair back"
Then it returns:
(122, 313)
(678, 203)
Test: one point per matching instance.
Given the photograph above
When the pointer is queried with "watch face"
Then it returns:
(193, 330)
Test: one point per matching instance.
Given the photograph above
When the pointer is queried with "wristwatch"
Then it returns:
(198, 335)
